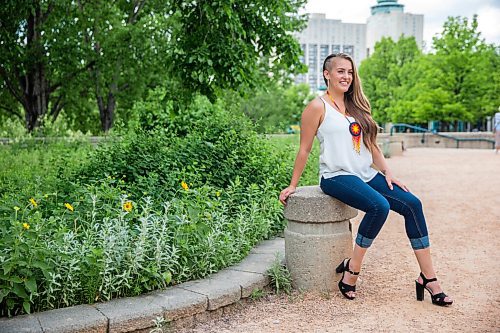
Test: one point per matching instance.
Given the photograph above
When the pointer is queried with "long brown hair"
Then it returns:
(356, 103)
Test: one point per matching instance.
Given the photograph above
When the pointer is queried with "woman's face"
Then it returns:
(340, 75)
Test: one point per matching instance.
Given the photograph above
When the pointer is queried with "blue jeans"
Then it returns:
(375, 198)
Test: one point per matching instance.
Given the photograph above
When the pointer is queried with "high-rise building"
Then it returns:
(388, 19)
(325, 36)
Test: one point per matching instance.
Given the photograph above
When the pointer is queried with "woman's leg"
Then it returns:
(356, 193)
(425, 262)
(408, 205)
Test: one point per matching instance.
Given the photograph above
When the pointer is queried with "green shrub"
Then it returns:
(151, 209)
(288, 145)
(274, 108)
(34, 168)
(105, 251)
(214, 146)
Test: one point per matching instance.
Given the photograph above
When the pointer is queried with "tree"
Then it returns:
(58, 54)
(458, 82)
(27, 39)
(124, 43)
(383, 74)
(229, 44)
(274, 108)
(469, 70)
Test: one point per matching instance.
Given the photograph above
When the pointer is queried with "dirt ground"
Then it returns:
(460, 191)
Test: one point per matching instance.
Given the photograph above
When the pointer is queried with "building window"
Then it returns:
(323, 52)
(313, 83)
(349, 49)
(313, 57)
(335, 48)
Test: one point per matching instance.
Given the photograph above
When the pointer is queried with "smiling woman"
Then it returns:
(341, 120)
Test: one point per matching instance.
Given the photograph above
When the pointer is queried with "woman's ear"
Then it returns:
(326, 74)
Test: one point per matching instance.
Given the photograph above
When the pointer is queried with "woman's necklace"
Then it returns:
(354, 128)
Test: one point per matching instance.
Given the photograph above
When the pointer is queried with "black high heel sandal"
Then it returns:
(438, 299)
(344, 287)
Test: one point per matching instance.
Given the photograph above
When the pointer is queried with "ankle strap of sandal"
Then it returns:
(426, 280)
(347, 268)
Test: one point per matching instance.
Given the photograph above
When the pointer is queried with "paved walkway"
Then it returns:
(460, 191)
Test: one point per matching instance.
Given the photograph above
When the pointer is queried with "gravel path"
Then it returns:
(460, 190)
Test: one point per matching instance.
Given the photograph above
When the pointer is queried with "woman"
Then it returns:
(341, 119)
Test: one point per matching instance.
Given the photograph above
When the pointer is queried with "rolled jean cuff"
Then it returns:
(363, 241)
(420, 243)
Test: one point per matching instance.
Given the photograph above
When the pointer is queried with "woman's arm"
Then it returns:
(309, 125)
(381, 164)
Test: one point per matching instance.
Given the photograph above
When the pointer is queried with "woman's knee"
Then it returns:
(414, 203)
(380, 206)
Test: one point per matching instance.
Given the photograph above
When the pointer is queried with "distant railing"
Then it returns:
(434, 132)
(92, 139)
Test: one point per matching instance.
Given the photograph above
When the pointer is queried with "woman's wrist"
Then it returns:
(386, 171)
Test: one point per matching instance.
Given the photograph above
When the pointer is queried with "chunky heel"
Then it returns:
(437, 299)
(340, 268)
(420, 291)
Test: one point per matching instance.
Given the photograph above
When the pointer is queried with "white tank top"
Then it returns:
(337, 155)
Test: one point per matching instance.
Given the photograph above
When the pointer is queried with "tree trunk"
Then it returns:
(107, 108)
(36, 95)
(106, 111)
(35, 88)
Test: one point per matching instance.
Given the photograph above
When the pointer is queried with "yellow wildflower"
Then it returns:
(33, 202)
(67, 205)
(16, 208)
(26, 226)
(217, 193)
(184, 185)
(127, 206)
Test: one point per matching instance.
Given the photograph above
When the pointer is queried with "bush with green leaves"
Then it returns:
(208, 144)
(273, 108)
(145, 211)
(125, 247)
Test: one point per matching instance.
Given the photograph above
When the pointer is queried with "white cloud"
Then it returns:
(488, 24)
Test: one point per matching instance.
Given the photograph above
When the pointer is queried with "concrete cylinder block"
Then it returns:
(317, 238)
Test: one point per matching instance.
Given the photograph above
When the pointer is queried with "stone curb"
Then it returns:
(181, 305)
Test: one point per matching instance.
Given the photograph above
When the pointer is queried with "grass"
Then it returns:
(281, 281)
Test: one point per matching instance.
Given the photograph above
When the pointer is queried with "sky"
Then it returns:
(435, 13)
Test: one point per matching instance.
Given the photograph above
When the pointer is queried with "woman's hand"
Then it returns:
(286, 193)
(389, 178)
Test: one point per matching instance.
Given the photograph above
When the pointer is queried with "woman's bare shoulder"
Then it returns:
(316, 107)
(313, 114)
